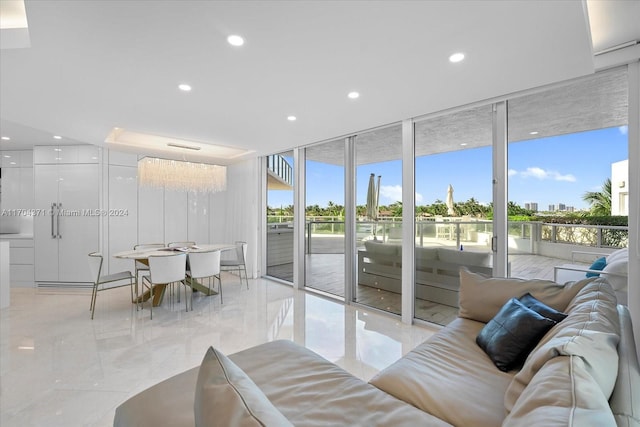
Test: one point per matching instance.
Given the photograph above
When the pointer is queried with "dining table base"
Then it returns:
(159, 291)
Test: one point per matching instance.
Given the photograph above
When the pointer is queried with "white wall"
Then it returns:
(235, 213)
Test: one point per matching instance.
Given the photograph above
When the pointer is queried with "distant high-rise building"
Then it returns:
(534, 206)
(552, 208)
(527, 206)
(562, 207)
(620, 188)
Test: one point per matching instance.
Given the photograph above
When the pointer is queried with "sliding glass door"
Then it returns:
(379, 219)
(568, 174)
(324, 224)
(453, 174)
(280, 216)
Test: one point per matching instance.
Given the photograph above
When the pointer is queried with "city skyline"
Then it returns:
(538, 172)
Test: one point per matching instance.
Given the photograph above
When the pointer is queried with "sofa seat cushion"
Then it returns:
(562, 394)
(591, 331)
(226, 396)
(482, 296)
(311, 391)
(450, 377)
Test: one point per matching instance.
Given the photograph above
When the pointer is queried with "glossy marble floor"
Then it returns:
(60, 368)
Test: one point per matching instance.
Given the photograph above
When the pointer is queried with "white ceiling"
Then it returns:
(96, 65)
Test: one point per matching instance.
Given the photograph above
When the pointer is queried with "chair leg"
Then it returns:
(220, 286)
(246, 278)
(93, 300)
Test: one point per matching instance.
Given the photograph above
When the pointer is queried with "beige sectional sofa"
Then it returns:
(583, 372)
(437, 269)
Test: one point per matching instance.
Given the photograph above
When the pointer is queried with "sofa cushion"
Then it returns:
(562, 394)
(226, 396)
(541, 308)
(381, 248)
(590, 331)
(625, 399)
(598, 264)
(512, 333)
(450, 377)
(455, 256)
(310, 391)
(481, 296)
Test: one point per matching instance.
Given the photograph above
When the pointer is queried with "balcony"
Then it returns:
(534, 249)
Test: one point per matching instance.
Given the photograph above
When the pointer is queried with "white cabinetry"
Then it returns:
(69, 192)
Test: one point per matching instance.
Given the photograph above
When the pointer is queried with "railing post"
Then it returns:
(421, 234)
(309, 237)
(554, 232)
(599, 237)
(458, 235)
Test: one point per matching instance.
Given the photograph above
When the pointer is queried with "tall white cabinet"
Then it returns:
(67, 227)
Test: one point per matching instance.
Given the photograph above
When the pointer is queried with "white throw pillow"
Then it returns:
(618, 255)
(482, 296)
(618, 280)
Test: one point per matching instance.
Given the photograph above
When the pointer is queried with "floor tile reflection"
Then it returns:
(59, 368)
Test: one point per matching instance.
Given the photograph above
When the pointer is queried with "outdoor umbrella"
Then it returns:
(372, 200)
(450, 210)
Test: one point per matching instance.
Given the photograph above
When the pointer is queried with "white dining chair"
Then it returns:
(204, 265)
(105, 282)
(141, 267)
(165, 270)
(238, 262)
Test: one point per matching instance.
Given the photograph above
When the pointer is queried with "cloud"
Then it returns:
(393, 193)
(624, 130)
(542, 174)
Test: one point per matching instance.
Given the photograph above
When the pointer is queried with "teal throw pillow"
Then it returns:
(598, 264)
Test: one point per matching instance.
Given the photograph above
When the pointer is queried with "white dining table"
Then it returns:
(143, 255)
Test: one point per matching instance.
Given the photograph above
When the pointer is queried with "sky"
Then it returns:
(546, 171)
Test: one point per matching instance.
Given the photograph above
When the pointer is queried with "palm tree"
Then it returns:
(600, 201)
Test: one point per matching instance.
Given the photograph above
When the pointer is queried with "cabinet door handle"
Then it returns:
(58, 220)
(53, 207)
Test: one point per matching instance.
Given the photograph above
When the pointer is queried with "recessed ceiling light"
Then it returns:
(184, 87)
(6, 138)
(353, 95)
(235, 40)
(535, 132)
(12, 163)
(463, 144)
(456, 57)
(57, 149)
(6, 156)
(292, 118)
(57, 137)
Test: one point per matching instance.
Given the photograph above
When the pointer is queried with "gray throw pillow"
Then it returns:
(541, 308)
(511, 335)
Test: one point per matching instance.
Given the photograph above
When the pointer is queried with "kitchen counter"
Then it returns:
(8, 236)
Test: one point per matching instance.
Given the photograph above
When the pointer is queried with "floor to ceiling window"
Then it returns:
(280, 216)
(568, 173)
(567, 192)
(379, 218)
(453, 173)
(325, 227)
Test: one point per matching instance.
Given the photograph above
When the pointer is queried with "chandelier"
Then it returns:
(181, 175)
